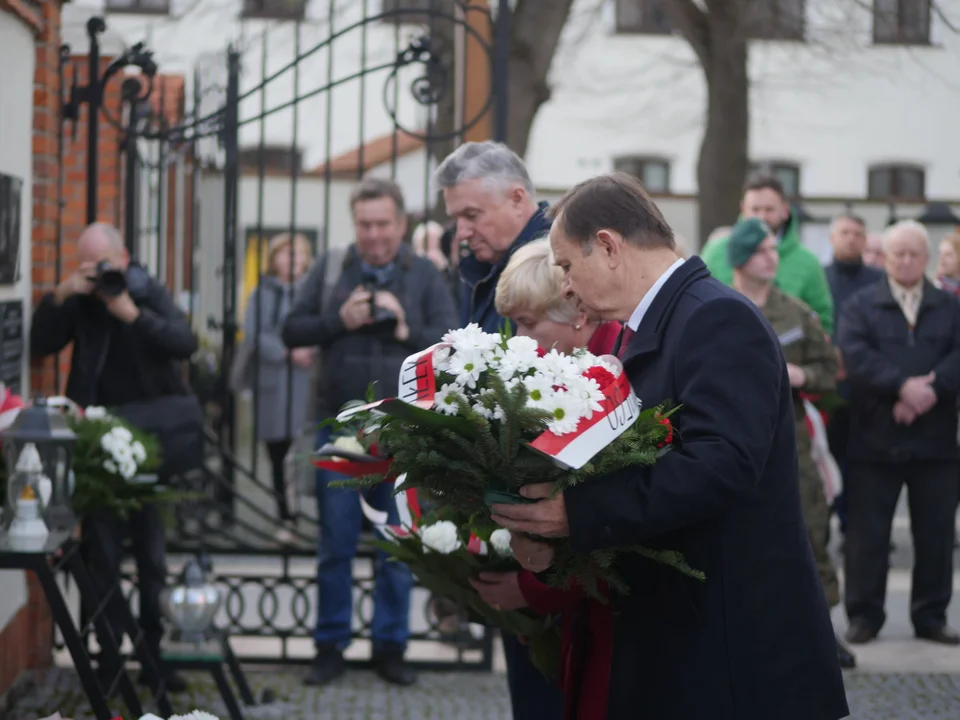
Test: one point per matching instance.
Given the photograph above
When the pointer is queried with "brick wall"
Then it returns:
(25, 643)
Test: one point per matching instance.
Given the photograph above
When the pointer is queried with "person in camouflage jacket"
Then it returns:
(812, 366)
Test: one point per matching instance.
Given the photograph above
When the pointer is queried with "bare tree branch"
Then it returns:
(693, 23)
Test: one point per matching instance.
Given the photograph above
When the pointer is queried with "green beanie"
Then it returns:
(745, 237)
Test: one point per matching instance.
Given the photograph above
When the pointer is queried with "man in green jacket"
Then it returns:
(800, 274)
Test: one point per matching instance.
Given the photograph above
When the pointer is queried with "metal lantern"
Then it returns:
(28, 491)
(192, 604)
(46, 430)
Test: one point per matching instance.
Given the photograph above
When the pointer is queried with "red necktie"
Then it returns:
(625, 336)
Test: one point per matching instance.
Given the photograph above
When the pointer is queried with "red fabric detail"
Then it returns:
(543, 599)
(628, 334)
(604, 338)
(603, 376)
(354, 469)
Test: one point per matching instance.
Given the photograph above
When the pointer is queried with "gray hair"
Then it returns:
(493, 162)
(911, 226)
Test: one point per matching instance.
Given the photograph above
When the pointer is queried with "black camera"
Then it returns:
(109, 280)
(383, 320)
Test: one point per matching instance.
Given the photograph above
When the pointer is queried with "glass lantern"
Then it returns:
(192, 604)
(46, 430)
(28, 491)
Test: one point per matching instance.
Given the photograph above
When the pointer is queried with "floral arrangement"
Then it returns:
(195, 715)
(445, 558)
(480, 415)
(113, 464)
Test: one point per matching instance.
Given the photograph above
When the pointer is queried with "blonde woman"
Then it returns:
(283, 377)
(529, 293)
(948, 264)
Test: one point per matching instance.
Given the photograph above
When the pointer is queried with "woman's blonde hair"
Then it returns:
(281, 242)
(954, 240)
(531, 282)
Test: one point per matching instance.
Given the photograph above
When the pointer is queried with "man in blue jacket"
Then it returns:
(488, 191)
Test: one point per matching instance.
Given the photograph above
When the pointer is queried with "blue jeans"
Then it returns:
(340, 521)
(532, 696)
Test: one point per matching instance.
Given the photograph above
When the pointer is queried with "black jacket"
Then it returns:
(354, 359)
(846, 279)
(880, 352)
(754, 641)
(159, 338)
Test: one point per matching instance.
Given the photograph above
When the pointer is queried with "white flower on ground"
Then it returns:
(500, 542)
(95, 412)
(441, 537)
(445, 400)
(566, 413)
(467, 365)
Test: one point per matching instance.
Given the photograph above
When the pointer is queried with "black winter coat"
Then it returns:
(880, 352)
(754, 641)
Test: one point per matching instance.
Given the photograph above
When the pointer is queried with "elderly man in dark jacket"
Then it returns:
(387, 304)
(901, 344)
(127, 348)
(754, 641)
(487, 189)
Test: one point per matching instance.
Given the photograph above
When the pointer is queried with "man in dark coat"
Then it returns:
(755, 639)
(127, 349)
(901, 342)
(846, 275)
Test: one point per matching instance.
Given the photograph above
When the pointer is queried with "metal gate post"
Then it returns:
(501, 71)
(131, 227)
(231, 172)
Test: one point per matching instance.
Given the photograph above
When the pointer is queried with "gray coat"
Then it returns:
(281, 404)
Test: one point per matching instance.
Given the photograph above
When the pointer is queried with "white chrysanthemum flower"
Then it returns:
(587, 392)
(566, 413)
(540, 391)
(558, 367)
(519, 358)
(500, 542)
(122, 434)
(467, 365)
(349, 443)
(111, 467)
(195, 715)
(487, 407)
(585, 360)
(441, 537)
(471, 338)
(445, 400)
(96, 412)
(441, 359)
(139, 452)
(128, 469)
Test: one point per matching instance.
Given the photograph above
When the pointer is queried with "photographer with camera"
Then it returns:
(128, 340)
(387, 304)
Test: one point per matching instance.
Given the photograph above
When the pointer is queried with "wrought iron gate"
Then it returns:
(253, 144)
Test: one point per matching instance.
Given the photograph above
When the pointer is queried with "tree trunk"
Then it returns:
(535, 30)
(723, 162)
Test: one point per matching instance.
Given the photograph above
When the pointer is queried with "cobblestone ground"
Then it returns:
(461, 696)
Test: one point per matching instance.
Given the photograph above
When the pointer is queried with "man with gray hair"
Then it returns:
(488, 191)
(900, 339)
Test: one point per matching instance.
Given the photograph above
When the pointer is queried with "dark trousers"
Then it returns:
(532, 696)
(872, 493)
(838, 435)
(277, 450)
(103, 536)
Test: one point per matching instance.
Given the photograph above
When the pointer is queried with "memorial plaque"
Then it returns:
(11, 189)
(11, 345)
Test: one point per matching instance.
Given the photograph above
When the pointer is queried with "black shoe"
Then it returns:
(847, 659)
(392, 667)
(327, 666)
(859, 633)
(173, 682)
(943, 635)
